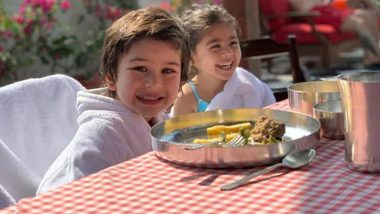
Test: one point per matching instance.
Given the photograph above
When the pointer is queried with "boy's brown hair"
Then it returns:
(145, 23)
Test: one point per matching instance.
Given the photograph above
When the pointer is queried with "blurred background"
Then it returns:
(43, 37)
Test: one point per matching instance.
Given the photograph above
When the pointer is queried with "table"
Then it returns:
(148, 185)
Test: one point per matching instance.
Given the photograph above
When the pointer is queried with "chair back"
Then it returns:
(265, 48)
(37, 119)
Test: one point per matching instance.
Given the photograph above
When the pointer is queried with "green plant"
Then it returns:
(38, 36)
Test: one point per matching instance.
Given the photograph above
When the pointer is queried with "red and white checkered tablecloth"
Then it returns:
(149, 185)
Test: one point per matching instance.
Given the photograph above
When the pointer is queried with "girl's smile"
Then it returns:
(218, 53)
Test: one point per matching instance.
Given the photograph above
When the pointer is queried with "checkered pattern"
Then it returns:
(283, 105)
(149, 185)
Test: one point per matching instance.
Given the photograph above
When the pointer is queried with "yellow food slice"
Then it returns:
(215, 131)
(206, 141)
(214, 140)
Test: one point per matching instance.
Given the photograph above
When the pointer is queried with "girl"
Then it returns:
(144, 59)
(218, 82)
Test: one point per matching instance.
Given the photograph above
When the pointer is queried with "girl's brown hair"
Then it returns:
(198, 18)
(151, 23)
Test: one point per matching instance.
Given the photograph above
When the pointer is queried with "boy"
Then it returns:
(144, 62)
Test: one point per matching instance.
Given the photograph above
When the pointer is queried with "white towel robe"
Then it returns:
(5, 198)
(242, 90)
(37, 121)
(108, 134)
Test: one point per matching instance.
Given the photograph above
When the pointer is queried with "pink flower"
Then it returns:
(21, 10)
(6, 34)
(45, 5)
(65, 5)
(113, 13)
(166, 6)
(28, 26)
(19, 19)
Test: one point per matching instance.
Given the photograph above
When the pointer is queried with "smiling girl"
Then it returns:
(215, 56)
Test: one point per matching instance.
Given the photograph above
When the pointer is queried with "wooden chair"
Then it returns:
(278, 19)
(267, 48)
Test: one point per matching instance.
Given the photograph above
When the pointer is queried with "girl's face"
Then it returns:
(148, 77)
(218, 53)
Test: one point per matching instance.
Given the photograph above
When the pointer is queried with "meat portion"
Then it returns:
(266, 129)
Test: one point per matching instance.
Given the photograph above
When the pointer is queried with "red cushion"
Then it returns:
(305, 35)
(275, 7)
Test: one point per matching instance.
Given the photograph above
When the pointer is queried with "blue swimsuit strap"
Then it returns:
(202, 105)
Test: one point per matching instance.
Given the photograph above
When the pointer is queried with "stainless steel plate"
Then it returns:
(170, 136)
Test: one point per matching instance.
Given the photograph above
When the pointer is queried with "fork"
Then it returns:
(198, 146)
(236, 141)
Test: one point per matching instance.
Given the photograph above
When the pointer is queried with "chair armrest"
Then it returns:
(322, 38)
(309, 19)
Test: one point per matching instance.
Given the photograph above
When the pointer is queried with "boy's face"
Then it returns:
(218, 52)
(148, 77)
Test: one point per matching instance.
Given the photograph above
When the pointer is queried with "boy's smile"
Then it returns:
(148, 77)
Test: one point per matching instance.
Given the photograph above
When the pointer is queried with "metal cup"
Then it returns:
(304, 95)
(330, 115)
(361, 106)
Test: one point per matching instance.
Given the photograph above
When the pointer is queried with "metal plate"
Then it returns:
(170, 136)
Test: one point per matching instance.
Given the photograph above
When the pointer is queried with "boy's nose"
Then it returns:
(152, 81)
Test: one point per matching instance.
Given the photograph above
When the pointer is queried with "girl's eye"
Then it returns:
(234, 44)
(215, 47)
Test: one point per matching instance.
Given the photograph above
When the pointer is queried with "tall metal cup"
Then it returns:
(360, 94)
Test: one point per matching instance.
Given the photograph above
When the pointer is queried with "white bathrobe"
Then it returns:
(6, 199)
(108, 134)
(38, 119)
(242, 90)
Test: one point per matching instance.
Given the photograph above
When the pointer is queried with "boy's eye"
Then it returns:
(168, 71)
(140, 68)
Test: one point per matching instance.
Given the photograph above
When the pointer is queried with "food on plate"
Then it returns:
(215, 131)
(264, 131)
(267, 130)
(215, 139)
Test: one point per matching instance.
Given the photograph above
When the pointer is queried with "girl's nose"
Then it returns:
(227, 51)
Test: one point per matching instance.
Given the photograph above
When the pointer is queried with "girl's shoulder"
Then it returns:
(185, 101)
(186, 91)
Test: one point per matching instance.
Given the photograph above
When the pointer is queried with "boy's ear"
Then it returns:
(110, 82)
(191, 58)
(191, 61)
